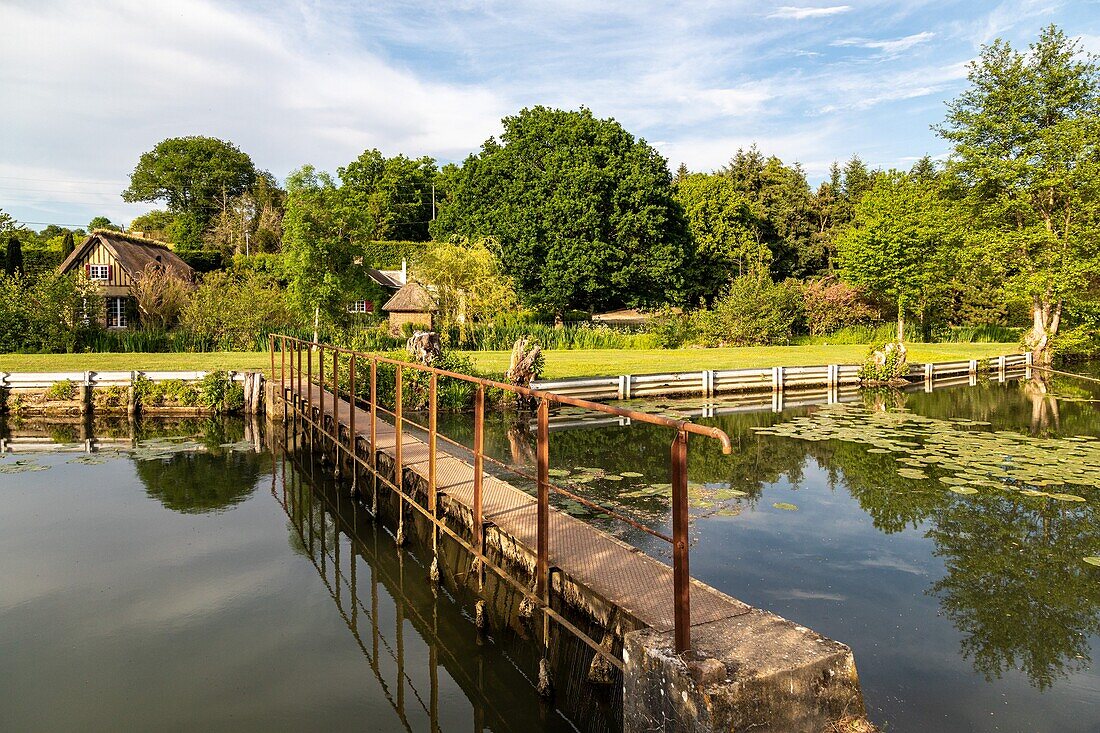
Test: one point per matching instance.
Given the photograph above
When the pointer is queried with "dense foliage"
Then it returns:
(584, 213)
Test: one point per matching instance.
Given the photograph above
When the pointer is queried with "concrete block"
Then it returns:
(755, 672)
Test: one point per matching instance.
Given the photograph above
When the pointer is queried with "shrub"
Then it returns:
(63, 389)
(754, 312)
(831, 305)
(230, 311)
(884, 364)
(109, 397)
(221, 394)
(670, 328)
(48, 314)
(148, 393)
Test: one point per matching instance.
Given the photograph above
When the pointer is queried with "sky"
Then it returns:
(86, 86)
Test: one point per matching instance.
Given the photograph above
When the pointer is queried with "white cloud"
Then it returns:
(799, 13)
(99, 83)
(893, 46)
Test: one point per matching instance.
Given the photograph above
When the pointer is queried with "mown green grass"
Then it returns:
(559, 364)
(206, 361)
(612, 362)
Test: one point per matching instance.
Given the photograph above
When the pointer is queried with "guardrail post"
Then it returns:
(542, 457)
(681, 578)
(777, 379)
(622, 387)
(1029, 360)
(929, 371)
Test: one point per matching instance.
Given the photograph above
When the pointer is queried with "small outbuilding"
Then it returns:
(411, 304)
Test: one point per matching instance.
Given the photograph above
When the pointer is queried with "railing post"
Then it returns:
(282, 370)
(374, 434)
(352, 437)
(479, 463)
(432, 422)
(681, 578)
(542, 453)
(398, 466)
(321, 374)
(298, 396)
(309, 380)
(335, 402)
(271, 350)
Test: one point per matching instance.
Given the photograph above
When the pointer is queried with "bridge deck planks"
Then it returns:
(633, 581)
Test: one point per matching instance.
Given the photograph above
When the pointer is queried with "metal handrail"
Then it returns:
(678, 453)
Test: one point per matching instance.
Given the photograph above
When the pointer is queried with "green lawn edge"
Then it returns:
(560, 364)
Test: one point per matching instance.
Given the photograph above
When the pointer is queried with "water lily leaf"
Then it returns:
(631, 474)
(963, 489)
(1066, 497)
(1092, 560)
(785, 506)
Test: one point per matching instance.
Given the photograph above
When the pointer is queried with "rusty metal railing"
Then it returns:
(298, 396)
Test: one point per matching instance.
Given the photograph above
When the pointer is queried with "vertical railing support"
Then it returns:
(433, 416)
(542, 457)
(681, 577)
(282, 374)
(298, 396)
(373, 453)
(398, 466)
(308, 394)
(335, 400)
(321, 374)
(353, 438)
(479, 466)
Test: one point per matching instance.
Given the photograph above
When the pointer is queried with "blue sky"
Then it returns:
(88, 86)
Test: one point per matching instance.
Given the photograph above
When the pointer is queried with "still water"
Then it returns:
(206, 583)
(190, 580)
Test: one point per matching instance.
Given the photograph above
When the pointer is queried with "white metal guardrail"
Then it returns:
(44, 380)
(709, 382)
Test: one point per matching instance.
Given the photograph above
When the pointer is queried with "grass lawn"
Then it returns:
(612, 362)
(237, 360)
(559, 364)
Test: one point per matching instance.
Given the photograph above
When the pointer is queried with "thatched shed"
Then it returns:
(411, 304)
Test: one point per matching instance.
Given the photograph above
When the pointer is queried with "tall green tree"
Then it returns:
(899, 244)
(781, 202)
(320, 256)
(724, 227)
(388, 198)
(102, 222)
(68, 244)
(1026, 136)
(584, 212)
(195, 176)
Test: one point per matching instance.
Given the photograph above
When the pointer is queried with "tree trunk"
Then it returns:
(1046, 319)
(901, 325)
(316, 321)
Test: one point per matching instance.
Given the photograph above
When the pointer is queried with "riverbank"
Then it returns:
(560, 364)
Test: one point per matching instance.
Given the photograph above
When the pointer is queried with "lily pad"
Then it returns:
(963, 489)
(785, 506)
(1092, 560)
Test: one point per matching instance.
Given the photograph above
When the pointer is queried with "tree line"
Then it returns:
(577, 213)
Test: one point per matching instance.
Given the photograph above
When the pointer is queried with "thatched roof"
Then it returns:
(133, 254)
(411, 298)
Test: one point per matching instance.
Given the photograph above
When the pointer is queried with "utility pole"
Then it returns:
(433, 202)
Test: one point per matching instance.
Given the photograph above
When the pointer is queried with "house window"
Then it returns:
(116, 312)
(360, 306)
(99, 272)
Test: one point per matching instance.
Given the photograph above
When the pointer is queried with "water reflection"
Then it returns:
(418, 638)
